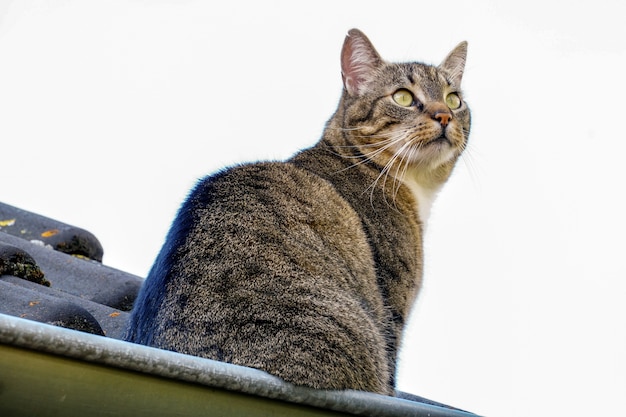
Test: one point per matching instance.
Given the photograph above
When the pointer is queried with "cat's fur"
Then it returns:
(307, 268)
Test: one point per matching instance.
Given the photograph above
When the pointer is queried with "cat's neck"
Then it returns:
(424, 183)
(424, 195)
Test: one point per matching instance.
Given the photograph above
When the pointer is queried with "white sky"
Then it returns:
(110, 111)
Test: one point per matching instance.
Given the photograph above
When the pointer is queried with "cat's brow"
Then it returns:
(425, 81)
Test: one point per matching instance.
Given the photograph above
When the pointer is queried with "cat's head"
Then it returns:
(409, 118)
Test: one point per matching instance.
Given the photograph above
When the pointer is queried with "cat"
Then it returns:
(308, 268)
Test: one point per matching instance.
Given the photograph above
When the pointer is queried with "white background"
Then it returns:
(111, 110)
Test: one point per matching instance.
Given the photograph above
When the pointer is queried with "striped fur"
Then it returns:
(308, 268)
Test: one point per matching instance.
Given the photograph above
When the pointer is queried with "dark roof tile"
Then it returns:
(34, 304)
(15, 261)
(60, 236)
(84, 294)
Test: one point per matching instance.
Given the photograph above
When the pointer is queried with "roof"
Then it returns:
(63, 313)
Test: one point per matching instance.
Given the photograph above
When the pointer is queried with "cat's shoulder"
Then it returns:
(253, 174)
(266, 180)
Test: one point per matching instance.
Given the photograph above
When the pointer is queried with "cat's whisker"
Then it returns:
(387, 139)
(367, 145)
(367, 157)
(382, 147)
(468, 157)
(398, 163)
(410, 156)
(383, 173)
(400, 168)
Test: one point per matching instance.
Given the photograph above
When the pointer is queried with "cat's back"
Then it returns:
(264, 259)
(265, 203)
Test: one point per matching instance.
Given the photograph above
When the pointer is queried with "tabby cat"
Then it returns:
(308, 268)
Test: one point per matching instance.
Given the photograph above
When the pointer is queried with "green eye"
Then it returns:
(403, 98)
(453, 101)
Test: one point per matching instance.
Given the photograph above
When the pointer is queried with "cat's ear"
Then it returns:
(454, 64)
(358, 61)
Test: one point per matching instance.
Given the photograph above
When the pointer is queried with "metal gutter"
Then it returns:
(48, 371)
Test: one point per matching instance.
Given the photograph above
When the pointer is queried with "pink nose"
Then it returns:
(439, 112)
(442, 117)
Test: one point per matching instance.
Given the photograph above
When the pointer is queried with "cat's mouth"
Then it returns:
(439, 140)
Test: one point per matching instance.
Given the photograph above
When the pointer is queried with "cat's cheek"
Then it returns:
(454, 133)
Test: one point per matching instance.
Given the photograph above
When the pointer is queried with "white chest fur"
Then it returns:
(425, 197)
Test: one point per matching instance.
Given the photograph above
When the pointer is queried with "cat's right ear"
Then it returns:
(358, 60)
(454, 64)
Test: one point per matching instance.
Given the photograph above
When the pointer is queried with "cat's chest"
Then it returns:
(425, 197)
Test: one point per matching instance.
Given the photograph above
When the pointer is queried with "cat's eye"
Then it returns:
(453, 101)
(403, 98)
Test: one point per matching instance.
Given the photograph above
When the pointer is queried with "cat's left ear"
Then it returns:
(454, 64)
(359, 59)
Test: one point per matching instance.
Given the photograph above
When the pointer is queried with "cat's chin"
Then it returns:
(433, 153)
(440, 140)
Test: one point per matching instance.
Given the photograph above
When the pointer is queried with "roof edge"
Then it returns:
(101, 350)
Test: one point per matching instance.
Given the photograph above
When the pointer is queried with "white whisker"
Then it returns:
(395, 152)
(468, 157)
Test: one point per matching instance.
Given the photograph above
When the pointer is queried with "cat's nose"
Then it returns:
(440, 113)
(442, 117)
